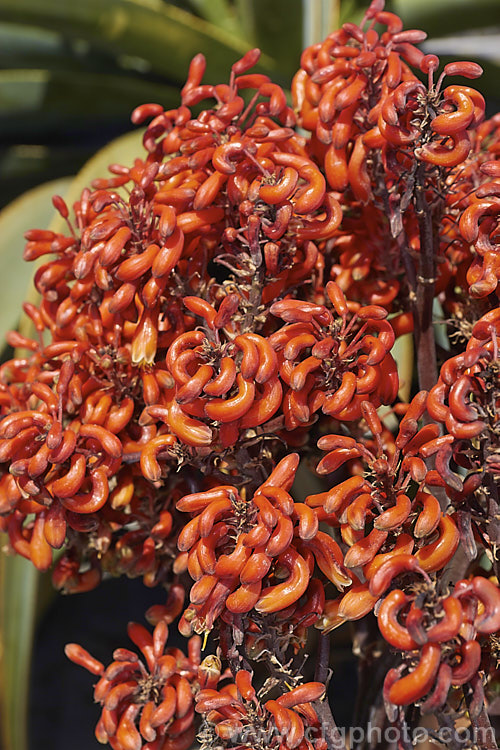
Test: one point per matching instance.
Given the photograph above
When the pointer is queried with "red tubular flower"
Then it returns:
(478, 227)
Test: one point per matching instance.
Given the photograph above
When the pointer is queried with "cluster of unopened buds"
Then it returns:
(236, 303)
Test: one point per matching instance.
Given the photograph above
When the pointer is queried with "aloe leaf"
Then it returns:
(448, 16)
(352, 11)
(18, 594)
(32, 209)
(27, 44)
(165, 36)
(403, 353)
(320, 19)
(22, 90)
(32, 47)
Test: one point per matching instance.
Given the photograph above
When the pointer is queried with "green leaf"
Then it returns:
(163, 35)
(320, 19)
(22, 90)
(276, 28)
(34, 47)
(24, 40)
(440, 327)
(18, 594)
(24, 166)
(122, 150)
(352, 11)
(447, 16)
(32, 209)
(403, 353)
(28, 47)
(36, 101)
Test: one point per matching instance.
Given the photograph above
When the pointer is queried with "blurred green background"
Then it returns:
(71, 72)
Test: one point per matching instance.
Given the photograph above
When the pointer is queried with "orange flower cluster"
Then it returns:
(466, 401)
(146, 703)
(367, 264)
(59, 470)
(236, 716)
(385, 509)
(233, 296)
(465, 269)
(126, 373)
(207, 366)
(275, 198)
(238, 549)
(378, 128)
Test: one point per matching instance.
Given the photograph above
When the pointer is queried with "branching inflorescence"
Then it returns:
(228, 307)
